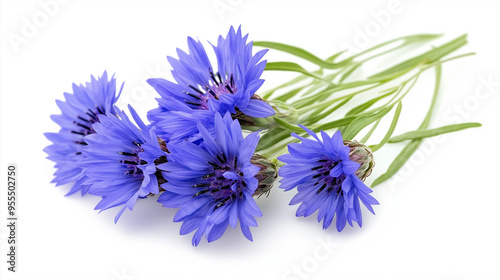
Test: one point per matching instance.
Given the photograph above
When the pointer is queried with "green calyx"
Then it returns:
(266, 176)
(363, 155)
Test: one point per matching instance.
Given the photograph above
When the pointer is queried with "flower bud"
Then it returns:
(363, 155)
(266, 176)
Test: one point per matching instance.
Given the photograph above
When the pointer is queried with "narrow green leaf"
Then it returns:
(334, 56)
(425, 58)
(268, 93)
(320, 96)
(349, 72)
(281, 147)
(362, 121)
(292, 67)
(427, 119)
(335, 124)
(289, 94)
(391, 128)
(407, 40)
(411, 147)
(328, 63)
(369, 134)
(398, 162)
(316, 85)
(288, 126)
(271, 137)
(300, 53)
(360, 108)
(319, 114)
(417, 134)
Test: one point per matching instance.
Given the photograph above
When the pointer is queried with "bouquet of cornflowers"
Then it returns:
(215, 143)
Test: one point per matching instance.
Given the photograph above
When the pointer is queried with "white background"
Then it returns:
(438, 220)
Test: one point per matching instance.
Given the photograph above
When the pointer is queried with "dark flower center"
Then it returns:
(131, 160)
(214, 88)
(219, 187)
(83, 124)
(324, 180)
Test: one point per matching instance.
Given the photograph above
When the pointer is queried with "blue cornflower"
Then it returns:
(79, 113)
(198, 86)
(213, 183)
(120, 161)
(326, 180)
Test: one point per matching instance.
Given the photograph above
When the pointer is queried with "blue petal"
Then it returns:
(217, 231)
(350, 167)
(310, 132)
(188, 209)
(258, 109)
(336, 171)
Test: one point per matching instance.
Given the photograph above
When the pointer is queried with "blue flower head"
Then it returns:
(326, 180)
(212, 183)
(199, 87)
(78, 115)
(120, 161)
